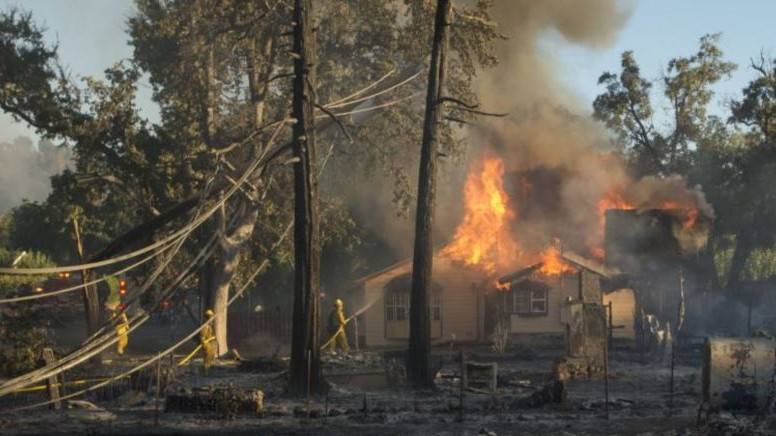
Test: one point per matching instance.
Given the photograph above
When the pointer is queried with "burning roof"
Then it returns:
(571, 262)
(513, 218)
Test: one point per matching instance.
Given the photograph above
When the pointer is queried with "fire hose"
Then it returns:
(342, 327)
(191, 355)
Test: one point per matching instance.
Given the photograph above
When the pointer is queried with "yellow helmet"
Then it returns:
(338, 303)
(209, 313)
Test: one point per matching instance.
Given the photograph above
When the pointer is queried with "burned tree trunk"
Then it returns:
(418, 358)
(305, 371)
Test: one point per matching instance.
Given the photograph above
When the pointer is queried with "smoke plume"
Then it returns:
(26, 170)
(560, 159)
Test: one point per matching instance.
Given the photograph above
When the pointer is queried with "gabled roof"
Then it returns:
(384, 270)
(571, 258)
(588, 264)
(519, 274)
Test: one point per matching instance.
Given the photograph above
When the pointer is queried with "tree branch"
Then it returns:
(336, 120)
(471, 108)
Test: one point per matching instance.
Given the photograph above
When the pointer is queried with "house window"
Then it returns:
(529, 298)
(436, 307)
(397, 306)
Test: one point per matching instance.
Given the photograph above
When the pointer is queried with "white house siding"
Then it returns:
(459, 303)
(561, 288)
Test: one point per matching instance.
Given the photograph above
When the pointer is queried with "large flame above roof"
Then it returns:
(484, 239)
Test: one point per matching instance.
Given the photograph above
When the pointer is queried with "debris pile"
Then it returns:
(226, 401)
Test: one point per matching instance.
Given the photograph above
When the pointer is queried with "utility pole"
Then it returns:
(91, 300)
(305, 370)
(419, 353)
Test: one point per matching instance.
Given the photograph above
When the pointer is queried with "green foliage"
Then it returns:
(626, 107)
(40, 227)
(219, 69)
(21, 342)
(761, 264)
(22, 329)
(733, 162)
(33, 87)
(11, 285)
(113, 298)
(757, 109)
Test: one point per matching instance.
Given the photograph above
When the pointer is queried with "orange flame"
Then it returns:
(689, 213)
(614, 200)
(552, 264)
(483, 239)
(611, 200)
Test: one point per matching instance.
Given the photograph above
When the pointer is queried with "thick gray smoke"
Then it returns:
(550, 129)
(26, 170)
(552, 148)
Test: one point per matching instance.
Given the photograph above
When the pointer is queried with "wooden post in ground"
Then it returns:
(460, 387)
(91, 301)
(51, 383)
(611, 325)
(158, 389)
(355, 331)
(606, 377)
(671, 382)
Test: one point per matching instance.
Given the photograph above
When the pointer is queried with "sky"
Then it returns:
(92, 36)
(659, 30)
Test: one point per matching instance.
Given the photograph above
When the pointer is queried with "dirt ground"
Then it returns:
(361, 402)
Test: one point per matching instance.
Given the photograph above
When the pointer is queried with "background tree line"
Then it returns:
(667, 126)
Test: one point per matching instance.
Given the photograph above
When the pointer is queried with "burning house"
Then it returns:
(653, 247)
(502, 265)
(535, 302)
(540, 301)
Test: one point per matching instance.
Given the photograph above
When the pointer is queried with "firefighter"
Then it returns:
(122, 331)
(208, 340)
(336, 327)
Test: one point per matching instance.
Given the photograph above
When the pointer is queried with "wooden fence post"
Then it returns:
(51, 382)
(355, 331)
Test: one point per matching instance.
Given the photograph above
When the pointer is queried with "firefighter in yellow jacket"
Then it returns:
(121, 325)
(207, 340)
(336, 328)
(122, 331)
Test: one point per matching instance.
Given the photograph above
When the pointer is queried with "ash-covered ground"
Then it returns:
(363, 400)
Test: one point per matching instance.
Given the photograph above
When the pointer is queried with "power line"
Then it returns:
(96, 345)
(196, 331)
(140, 251)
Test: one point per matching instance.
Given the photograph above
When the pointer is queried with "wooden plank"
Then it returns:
(51, 383)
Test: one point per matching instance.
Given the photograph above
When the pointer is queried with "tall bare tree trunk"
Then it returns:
(419, 354)
(305, 370)
(233, 239)
(226, 266)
